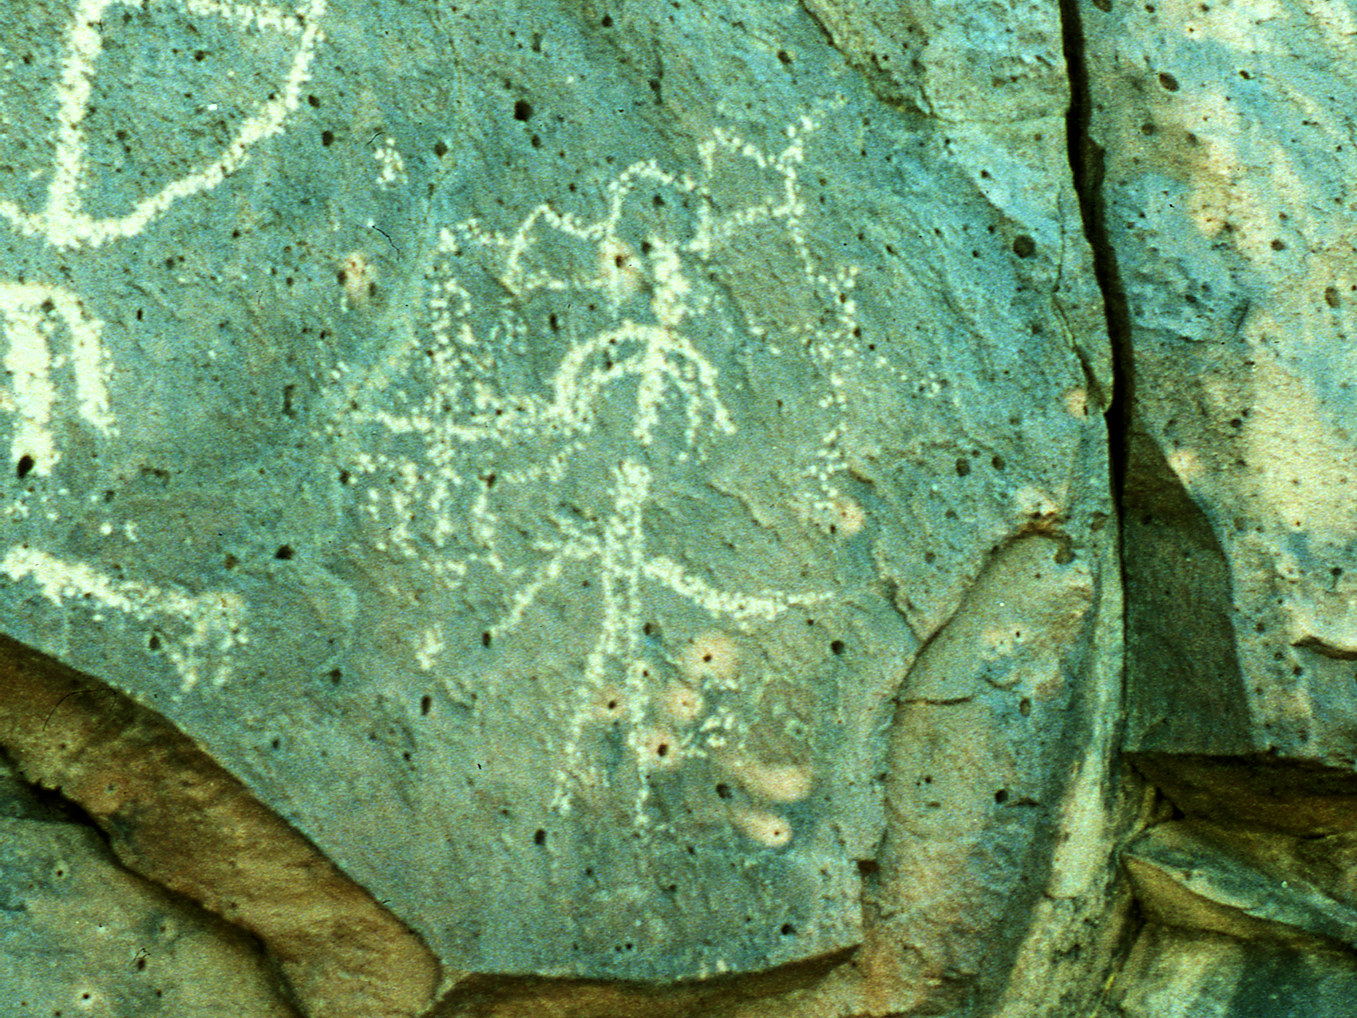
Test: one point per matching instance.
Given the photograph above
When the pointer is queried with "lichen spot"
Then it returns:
(764, 827)
(777, 782)
(660, 749)
(358, 276)
(849, 519)
(1186, 464)
(710, 657)
(609, 704)
(88, 998)
(1001, 640)
(681, 704)
(1031, 504)
(620, 269)
(1076, 402)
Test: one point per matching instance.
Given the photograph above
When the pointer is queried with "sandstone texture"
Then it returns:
(1178, 973)
(610, 509)
(171, 814)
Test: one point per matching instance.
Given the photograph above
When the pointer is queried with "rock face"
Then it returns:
(1230, 213)
(602, 484)
(171, 814)
(610, 508)
(82, 935)
(1227, 159)
(537, 473)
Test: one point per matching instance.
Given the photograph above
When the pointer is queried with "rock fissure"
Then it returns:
(171, 815)
(568, 610)
(1086, 168)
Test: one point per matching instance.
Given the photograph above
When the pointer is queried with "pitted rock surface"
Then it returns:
(529, 446)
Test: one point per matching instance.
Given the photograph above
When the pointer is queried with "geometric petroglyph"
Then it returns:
(30, 316)
(196, 632)
(564, 382)
(29, 311)
(63, 222)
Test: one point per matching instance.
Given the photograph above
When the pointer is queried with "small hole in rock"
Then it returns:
(284, 552)
(540, 838)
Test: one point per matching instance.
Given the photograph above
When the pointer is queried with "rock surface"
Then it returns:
(631, 487)
(174, 816)
(540, 474)
(1230, 210)
(1253, 885)
(1175, 973)
(1227, 158)
(81, 935)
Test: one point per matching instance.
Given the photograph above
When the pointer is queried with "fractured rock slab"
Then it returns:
(563, 476)
(1230, 209)
(1250, 885)
(78, 933)
(175, 817)
(1172, 973)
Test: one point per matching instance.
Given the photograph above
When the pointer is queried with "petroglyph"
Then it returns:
(391, 165)
(195, 632)
(63, 222)
(567, 382)
(31, 315)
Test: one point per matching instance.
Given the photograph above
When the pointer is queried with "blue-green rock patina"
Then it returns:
(530, 445)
